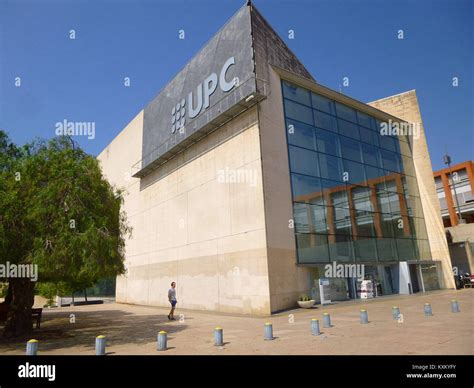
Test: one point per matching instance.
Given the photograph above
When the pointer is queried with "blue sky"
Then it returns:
(82, 79)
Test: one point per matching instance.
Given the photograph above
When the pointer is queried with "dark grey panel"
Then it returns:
(160, 140)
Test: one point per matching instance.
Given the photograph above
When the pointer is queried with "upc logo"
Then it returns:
(178, 116)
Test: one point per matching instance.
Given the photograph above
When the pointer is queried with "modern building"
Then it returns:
(244, 177)
(455, 189)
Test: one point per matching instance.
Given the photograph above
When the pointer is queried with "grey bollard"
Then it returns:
(218, 337)
(428, 311)
(32, 347)
(100, 345)
(326, 320)
(315, 327)
(395, 312)
(455, 306)
(364, 317)
(269, 331)
(162, 340)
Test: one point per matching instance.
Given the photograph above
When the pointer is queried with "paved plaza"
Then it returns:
(132, 330)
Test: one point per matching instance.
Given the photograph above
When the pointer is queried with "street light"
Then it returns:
(447, 160)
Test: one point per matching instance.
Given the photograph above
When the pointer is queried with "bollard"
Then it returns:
(218, 337)
(428, 311)
(455, 306)
(326, 320)
(162, 340)
(315, 327)
(269, 331)
(364, 317)
(100, 345)
(32, 347)
(395, 312)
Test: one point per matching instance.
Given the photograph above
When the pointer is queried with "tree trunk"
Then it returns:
(19, 320)
(85, 295)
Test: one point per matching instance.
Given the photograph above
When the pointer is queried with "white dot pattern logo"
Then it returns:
(178, 116)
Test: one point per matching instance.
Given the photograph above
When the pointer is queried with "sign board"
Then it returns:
(324, 291)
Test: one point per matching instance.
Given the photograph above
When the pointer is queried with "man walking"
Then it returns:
(173, 301)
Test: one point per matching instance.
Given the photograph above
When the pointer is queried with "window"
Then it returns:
(323, 104)
(300, 215)
(349, 129)
(366, 120)
(312, 248)
(331, 167)
(355, 172)
(298, 112)
(296, 93)
(301, 135)
(346, 113)
(304, 161)
(390, 160)
(368, 136)
(371, 155)
(327, 142)
(351, 149)
(361, 197)
(325, 121)
(305, 187)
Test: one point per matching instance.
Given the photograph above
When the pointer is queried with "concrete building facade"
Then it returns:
(209, 171)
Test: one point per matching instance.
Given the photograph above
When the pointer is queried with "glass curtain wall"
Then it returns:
(355, 195)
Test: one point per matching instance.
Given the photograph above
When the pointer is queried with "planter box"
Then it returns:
(306, 304)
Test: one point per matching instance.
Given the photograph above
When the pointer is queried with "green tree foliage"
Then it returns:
(57, 211)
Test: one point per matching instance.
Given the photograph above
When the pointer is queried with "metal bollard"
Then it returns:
(218, 337)
(315, 327)
(162, 340)
(395, 312)
(100, 345)
(428, 311)
(455, 306)
(269, 331)
(364, 317)
(32, 347)
(326, 320)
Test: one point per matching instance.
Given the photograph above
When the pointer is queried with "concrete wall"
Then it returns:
(405, 106)
(287, 280)
(195, 221)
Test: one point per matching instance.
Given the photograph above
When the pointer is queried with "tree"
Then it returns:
(57, 211)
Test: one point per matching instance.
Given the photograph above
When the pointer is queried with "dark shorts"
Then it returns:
(173, 303)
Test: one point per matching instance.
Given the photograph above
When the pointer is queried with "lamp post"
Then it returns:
(447, 160)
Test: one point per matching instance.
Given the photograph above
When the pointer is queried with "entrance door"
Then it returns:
(415, 285)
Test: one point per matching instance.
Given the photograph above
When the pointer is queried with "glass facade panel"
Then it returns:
(301, 135)
(348, 129)
(303, 161)
(325, 121)
(331, 167)
(366, 120)
(298, 112)
(323, 104)
(327, 142)
(351, 149)
(368, 136)
(312, 248)
(296, 93)
(346, 113)
(305, 187)
(355, 195)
